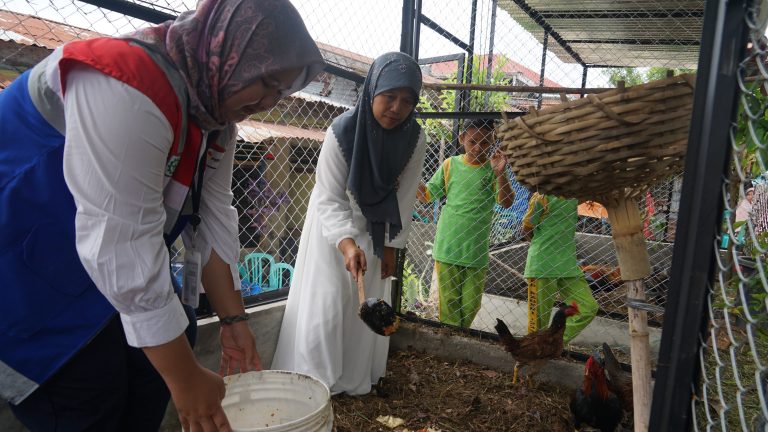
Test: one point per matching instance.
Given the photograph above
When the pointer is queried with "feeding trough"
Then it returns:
(610, 147)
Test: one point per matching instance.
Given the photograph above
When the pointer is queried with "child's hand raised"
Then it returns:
(499, 162)
(421, 193)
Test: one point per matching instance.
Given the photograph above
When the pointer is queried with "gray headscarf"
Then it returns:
(376, 156)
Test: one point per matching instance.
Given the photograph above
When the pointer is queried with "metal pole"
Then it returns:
(584, 78)
(489, 72)
(406, 31)
(724, 39)
(416, 29)
(543, 68)
(131, 9)
(458, 102)
(465, 106)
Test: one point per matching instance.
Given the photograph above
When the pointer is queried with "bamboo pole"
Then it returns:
(626, 226)
(513, 89)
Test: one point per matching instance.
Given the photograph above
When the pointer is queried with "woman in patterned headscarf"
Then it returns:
(358, 213)
(112, 147)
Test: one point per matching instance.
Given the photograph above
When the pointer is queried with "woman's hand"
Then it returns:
(196, 391)
(388, 263)
(198, 402)
(238, 349)
(354, 257)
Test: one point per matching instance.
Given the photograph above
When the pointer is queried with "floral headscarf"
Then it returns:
(227, 45)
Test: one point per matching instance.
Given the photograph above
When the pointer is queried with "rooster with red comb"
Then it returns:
(534, 349)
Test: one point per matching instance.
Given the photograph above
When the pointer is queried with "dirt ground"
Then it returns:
(430, 394)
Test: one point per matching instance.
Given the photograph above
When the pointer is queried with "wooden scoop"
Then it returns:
(377, 314)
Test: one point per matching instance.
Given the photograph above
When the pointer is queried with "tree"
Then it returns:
(442, 129)
(635, 76)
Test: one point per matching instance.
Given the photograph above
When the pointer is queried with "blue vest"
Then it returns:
(49, 306)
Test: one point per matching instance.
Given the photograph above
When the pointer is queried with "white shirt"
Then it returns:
(117, 142)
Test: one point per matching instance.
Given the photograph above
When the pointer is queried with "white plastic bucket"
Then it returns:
(277, 401)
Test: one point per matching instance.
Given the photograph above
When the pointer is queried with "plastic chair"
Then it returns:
(276, 280)
(258, 266)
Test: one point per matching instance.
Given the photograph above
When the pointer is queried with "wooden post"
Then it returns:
(641, 358)
(631, 251)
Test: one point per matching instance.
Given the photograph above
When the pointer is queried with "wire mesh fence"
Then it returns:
(733, 387)
(504, 258)
(528, 54)
(277, 150)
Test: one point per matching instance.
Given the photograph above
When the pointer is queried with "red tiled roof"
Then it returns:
(511, 67)
(363, 59)
(31, 30)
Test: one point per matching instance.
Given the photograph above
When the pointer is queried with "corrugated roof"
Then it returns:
(632, 33)
(256, 131)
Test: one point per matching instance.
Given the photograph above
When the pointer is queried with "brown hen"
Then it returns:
(533, 350)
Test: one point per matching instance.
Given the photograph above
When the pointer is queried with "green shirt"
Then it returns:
(552, 253)
(465, 222)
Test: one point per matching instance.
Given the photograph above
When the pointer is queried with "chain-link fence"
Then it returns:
(512, 50)
(734, 348)
(501, 291)
(481, 58)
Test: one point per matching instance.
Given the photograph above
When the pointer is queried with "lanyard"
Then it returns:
(197, 182)
(192, 259)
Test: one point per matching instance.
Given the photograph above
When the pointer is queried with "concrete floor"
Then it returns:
(515, 314)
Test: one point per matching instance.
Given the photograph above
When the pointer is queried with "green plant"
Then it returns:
(441, 130)
(413, 288)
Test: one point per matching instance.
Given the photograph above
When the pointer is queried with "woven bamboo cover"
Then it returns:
(620, 140)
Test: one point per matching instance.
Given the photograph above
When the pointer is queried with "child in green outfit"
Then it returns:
(551, 267)
(472, 183)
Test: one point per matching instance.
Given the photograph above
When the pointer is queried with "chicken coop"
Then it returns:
(706, 237)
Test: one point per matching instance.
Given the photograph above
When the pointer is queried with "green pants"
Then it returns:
(461, 291)
(542, 293)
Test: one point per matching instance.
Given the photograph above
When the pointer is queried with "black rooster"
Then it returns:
(594, 404)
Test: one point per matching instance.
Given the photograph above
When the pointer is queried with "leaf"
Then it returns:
(490, 373)
(390, 421)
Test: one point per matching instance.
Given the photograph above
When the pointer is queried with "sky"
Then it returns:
(368, 27)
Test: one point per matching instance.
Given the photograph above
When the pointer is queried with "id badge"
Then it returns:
(191, 282)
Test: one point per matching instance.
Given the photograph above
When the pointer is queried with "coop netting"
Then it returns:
(595, 44)
(505, 292)
(733, 387)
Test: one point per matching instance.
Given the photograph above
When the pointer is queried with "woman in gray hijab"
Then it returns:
(358, 214)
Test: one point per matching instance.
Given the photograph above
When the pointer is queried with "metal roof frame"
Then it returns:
(581, 30)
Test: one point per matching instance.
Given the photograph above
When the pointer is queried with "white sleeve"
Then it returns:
(406, 192)
(117, 142)
(333, 206)
(218, 229)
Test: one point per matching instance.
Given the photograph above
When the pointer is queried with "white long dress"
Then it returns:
(321, 334)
